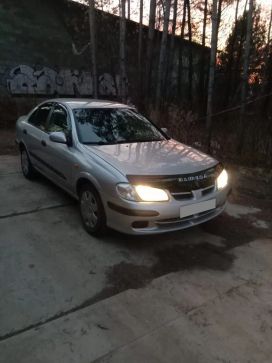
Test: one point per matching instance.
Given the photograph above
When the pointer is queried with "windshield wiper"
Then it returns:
(145, 140)
(96, 143)
(121, 142)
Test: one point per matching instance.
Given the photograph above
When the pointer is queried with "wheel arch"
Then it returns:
(85, 180)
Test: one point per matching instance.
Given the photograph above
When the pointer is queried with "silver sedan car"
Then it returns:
(126, 173)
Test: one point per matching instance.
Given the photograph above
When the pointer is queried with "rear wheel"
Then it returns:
(27, 168)
(92, 210)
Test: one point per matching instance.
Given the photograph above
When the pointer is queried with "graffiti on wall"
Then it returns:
(25, 80)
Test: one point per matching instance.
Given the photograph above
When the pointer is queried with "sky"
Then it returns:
(228, 15)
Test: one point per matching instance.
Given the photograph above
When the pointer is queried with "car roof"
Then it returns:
(88, 103)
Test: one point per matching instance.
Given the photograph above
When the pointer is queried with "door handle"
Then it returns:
(43, 143)
(24, 131)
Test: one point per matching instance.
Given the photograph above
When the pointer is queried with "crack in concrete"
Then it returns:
(16, 214)
(86, 303)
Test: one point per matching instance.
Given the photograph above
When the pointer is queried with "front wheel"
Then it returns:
(27, 168)
(92, 210)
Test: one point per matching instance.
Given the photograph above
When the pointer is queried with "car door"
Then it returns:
(58, 157)
(34, 132)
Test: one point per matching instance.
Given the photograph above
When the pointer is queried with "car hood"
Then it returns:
(167, 157)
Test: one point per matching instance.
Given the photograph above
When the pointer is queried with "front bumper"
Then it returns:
(151, 218)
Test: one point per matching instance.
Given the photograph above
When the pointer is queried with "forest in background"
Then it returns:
(221, 104)
(201, 68)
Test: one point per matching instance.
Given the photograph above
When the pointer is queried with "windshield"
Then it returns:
(114, 126)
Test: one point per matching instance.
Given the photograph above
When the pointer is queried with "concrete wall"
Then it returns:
(45, 53)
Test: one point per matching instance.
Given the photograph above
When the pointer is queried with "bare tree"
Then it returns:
(246, 57)
(219, 15)
(203, 52)
(140, 46)
(246, 63)
(212, 66)
(190, 71)
(269, 27)
(236, 11)
(180, 64)
(162, 63)
(204, 28)
(183, 22)
(149, 51)
(128, 5)
(174, 25)
(93, 46)
(171, 55)
(268, 43)
(230, 63)
(267, 61)
(123, 77)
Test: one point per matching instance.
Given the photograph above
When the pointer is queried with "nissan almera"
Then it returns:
(126, 173)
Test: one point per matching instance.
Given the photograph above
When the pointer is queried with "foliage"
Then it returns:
(231, 60)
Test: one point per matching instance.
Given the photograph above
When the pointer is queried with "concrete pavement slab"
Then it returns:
(9, 164)
(57, 281)
(19, 195)
(49, 265)
(228, 321)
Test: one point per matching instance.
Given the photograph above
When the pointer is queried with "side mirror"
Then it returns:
(164, 130)
(58, 136)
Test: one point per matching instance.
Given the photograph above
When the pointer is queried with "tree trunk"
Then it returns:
(203, 41)
(219, 13)
(212, 68)
(246, 57)
(140, 46)
(161, 66)
(183, 23)
(171, 57)
(203, 57)
(174, 25)
(149, 50)
(245, 74)
(128, 4)
(229, 70)
(269, 28)
(266, 89)
(190, 71)
(123, 77)
(236, 12)
(180, 65)
(93, 46)
(245, 6)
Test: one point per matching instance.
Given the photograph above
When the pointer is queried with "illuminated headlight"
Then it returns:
(222, 179)
(149, 194)
(142, 193)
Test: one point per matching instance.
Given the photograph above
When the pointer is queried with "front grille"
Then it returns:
(181, 186)
(208, 190)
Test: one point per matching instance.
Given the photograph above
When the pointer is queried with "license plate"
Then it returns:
(191, 209)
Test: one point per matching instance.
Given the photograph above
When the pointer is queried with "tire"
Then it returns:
(27, 168)
(92, 211)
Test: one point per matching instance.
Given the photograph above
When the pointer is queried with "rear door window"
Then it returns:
(39, 117)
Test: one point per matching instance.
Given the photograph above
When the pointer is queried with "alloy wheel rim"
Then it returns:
(89, 209)
(25, 162)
